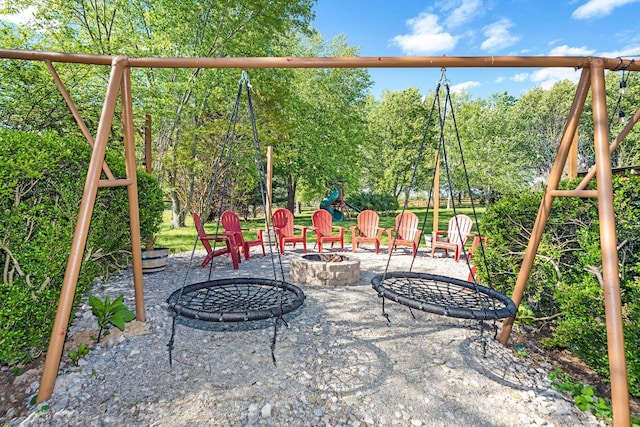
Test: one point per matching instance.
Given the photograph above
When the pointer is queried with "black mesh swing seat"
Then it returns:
(236, 299)
(443, 295)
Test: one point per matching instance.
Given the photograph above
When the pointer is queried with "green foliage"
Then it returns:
(383, 204)
(41, 184)
(80, 353)
(110, 312)
(586, 398)
(565, 281)
(396, 128)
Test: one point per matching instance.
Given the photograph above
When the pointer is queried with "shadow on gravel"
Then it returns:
(497, 363)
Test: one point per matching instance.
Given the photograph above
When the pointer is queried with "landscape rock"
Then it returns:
(338, 362)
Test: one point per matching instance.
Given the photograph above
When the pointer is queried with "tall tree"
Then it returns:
(495, 157)
(325, 123)
(540, 121)
(396, 127)
(175, 97)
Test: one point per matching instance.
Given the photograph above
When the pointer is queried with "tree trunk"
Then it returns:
(177, 216)
(291, 193)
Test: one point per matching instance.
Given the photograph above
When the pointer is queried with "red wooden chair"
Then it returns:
(323, 227)
(231, 224)
(456, 236)
(230, 247)
(471, 252)
(367, 230)
(475, 245)
(285, 229)
(406, 232)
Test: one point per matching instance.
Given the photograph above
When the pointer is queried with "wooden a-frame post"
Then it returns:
(595, 78)
(118, 80)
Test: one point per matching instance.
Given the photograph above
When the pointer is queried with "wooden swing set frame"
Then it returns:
(592, 78)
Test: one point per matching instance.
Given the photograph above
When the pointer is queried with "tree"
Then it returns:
(396, 127)
(628, 152)
(495, 158)
(324, 122)
(178, 98)
(541, 116)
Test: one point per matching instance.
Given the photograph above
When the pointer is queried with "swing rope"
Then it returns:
(236, 299)
(435, 293)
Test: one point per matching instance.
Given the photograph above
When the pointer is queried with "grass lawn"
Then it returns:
(183, 239)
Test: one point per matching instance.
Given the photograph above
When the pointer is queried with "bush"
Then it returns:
(383, 204)
(566, 273)
(41, 184)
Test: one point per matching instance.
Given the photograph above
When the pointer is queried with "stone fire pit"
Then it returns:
(325, 269)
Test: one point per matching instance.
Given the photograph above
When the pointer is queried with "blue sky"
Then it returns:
(478, 28)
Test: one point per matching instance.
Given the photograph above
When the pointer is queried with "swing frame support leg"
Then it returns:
(592, 76)
(547, 200)
(608, 245)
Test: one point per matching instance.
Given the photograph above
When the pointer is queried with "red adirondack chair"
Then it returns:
(228, 246)
(231, 224)
(471, 252)
(367, 230)
(475, 245)
(457, 234)
(406, 232)
(285, 229)
(323, 227)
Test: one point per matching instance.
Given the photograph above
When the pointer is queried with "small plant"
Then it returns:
(80, 353)
(585, 397)
(16, 371)
(115, 313)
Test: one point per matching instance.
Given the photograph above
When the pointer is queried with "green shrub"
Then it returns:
(383, 204)
(565, 278)
(41, 184)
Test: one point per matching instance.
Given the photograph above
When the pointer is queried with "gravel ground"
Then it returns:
(338, 362)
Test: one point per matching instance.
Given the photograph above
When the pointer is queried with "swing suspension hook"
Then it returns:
(244, 79)
(443, 77)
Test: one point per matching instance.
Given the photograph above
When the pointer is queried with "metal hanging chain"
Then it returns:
(475, 285)
(225, 152)
(229, 140)
(262, 178)
(467, 181)
(448, 104)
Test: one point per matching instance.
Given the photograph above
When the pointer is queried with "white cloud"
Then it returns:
(520, 77)
(427, 37)
(465, 12)
(19, 18)
(627, 52)
(498, 35)
(499, 79)
(461, 87)
(547, 77)
(565, 50)
(599, 8)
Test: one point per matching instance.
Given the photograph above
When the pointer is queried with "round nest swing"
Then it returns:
(443, 295)
(236, 299)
